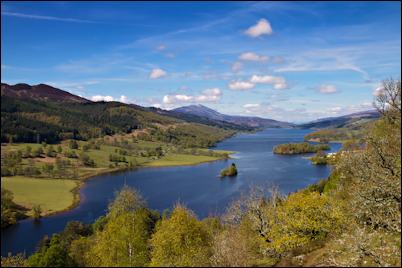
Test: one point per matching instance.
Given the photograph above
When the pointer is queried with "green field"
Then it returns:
(181, 160)
(51, 194)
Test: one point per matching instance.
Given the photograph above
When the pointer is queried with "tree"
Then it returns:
(303, 217)
(54, 255)
(37, 211)
(181, 240)
(14, 261)
(8, 216)
(38, 152)
(388, 100)
(123, 241)
(55, 252)
(127, 200)
(48, 168)
(235, 247)
(73, 144)
(28, 151)
(85, 147)
(87, 161)
(373, 175)
(50, 152)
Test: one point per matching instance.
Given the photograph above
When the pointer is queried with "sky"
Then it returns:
(289, 61)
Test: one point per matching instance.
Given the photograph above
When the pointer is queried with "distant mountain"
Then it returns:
(39, 92)
(342, 121)
(244, 121)
(200, 119)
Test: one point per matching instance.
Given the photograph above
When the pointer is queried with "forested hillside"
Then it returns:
(36, 121)
(43, 113)
(353, 131)
(342, 121)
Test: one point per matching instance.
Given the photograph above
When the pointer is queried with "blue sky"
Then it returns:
(284, 60)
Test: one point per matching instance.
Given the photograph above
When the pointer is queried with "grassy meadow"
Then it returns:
(51, 194)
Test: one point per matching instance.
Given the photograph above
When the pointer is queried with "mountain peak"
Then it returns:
(39, 92)
(206, 112)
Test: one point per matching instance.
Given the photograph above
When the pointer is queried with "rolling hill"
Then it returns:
(342, 121)
(39, 92)
(244, 121)
(348, 127)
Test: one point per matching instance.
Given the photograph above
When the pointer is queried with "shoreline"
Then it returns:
(82, 180)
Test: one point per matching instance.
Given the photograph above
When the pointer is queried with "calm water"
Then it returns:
(198, 187)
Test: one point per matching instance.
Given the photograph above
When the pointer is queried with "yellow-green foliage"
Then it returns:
(123, 242)
(302, 218)
(299, 148)
(14, 261)
(181, 240)
(338, 134)
(10, 212)
(230, 171)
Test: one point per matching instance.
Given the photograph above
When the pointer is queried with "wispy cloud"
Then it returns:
(42, 17)
(241, 85)
(354, 58)
(251, 56)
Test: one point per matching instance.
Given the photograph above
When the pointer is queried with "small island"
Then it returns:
(300, 148)
(230, 171)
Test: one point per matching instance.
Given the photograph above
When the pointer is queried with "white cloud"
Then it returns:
(156, 105)
(251, 105)
(277, 82)
(338, 110)
(266, 79)
(335, 110)
(237, 66)
(101, 98)
(241, 85)
(208, 95)
(257, 108)
(327, 89)
(262, 27)
(157, 73)
(281, 86)
(123, 99)
(251, 56)
(378, 91)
